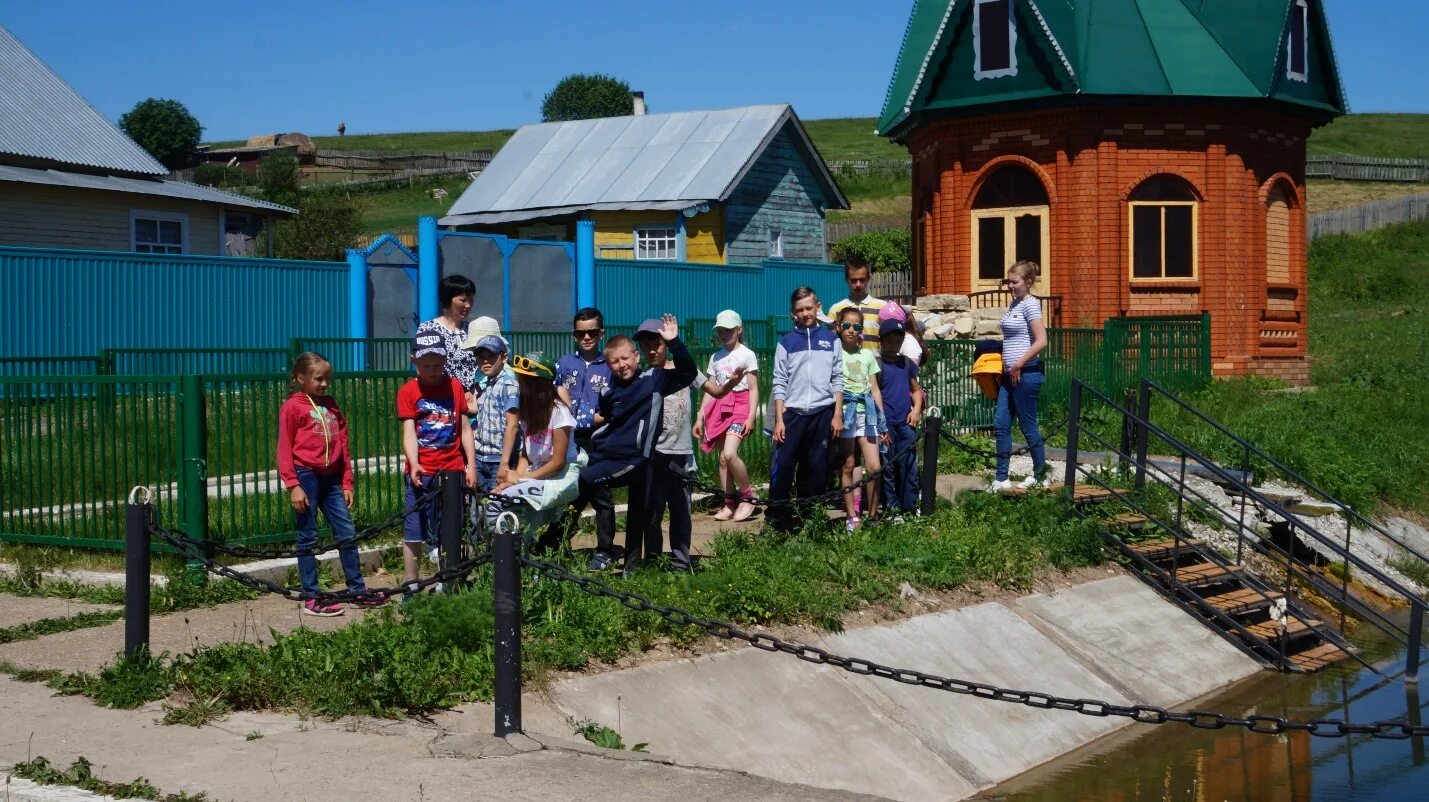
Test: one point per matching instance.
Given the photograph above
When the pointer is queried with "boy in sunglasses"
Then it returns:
(582, 377)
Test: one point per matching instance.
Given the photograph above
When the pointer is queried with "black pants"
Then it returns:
(667, 490)
(604, 475)
(600, 501)
(805, 448)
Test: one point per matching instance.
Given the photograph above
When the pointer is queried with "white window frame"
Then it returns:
(1302, 8)
(1011, 69)
(672, 242)
(776, 243)
(182, 219)
(1009, 248)
(1195, 243)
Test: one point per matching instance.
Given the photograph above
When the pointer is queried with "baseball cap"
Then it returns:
(483, 326)
(491, 343)
(427, 342)
(728, 319)
(888, 327)
(650, 326)
(892, 311)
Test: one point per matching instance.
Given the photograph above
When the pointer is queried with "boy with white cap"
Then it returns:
(494, 421)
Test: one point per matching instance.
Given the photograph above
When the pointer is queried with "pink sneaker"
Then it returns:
(725, 513)
(317, 608)
(746, 505)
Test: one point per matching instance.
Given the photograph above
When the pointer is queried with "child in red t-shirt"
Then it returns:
(436, 437)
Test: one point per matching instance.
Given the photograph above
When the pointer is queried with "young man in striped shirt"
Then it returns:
(857, 274)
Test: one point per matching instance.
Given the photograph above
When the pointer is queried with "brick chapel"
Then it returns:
(1148, 154)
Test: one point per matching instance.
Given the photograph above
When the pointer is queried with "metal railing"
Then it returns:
(991, 299)
(1297, 569)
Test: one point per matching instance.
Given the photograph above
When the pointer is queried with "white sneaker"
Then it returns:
(1032, 482)
(1000, 485)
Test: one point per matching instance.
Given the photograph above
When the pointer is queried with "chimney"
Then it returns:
(637, 99)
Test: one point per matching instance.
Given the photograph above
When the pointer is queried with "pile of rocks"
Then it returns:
(951, 317)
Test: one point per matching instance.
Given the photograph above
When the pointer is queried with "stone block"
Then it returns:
(943, 303)
(965, 325)
(988, 328)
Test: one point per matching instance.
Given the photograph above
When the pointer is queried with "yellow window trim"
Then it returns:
(1195, 243)
(1009, 239)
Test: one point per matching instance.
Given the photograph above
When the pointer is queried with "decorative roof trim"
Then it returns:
(898, 62)
(928, 57)
(1334, 62)
(1056, 45)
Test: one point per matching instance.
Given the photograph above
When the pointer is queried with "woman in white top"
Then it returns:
(547, 477)
(1023, 338)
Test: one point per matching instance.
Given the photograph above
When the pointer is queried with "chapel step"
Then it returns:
(1242, 600)
(1318, 657)
(1270, 630)
(1202, 574)
(1166, 548)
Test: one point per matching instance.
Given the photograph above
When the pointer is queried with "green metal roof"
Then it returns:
(1114, 48)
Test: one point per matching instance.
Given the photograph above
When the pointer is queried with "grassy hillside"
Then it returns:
(1404, 136)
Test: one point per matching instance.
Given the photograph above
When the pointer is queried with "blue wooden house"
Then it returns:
(734, 186)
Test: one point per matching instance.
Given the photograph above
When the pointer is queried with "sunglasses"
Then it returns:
(847, 326)
(527, 366)
(581, 334)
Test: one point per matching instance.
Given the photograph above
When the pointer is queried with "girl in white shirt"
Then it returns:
(547, 476)
(723, 423)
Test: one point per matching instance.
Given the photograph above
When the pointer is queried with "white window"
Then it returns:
(159, 232)
(656, 242)
(1296, 44)
(994, 39)
(776, 243)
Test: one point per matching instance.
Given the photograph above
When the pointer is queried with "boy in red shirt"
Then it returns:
(436, 438)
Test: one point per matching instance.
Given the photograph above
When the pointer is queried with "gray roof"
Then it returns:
(668, 161)
(139, 186)
(45, 119)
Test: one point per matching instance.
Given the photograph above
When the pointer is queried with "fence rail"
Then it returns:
(1366, 168)
(388, 160)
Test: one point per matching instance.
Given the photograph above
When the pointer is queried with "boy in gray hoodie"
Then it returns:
(808, 405)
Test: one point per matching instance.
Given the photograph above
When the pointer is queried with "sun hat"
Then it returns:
(483, 326)
(892, 311)
(531, 365)
(427, 342)
(728, 319)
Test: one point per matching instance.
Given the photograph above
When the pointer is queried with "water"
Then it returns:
(1145, 763)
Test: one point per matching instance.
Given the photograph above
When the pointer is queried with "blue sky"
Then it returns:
(431, 65)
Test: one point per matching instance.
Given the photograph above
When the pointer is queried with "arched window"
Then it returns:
(1009, 223)
(1277, 234)
(1164, 215)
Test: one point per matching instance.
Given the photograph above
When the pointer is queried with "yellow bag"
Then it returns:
(987, 372)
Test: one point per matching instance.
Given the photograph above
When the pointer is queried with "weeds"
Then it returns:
(1412, 567)
(196, 713)
(80, 774)
(603, 736)
(49, 626)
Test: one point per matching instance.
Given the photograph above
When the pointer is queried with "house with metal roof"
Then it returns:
(69, 178)
(733, 186)
(1148, 154)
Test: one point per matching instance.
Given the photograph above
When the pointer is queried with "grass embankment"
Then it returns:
(436, 651)
(1400, 136)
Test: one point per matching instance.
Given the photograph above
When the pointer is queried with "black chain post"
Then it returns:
(932, 436)
(137, 564)
(506, 604)
(449, 497)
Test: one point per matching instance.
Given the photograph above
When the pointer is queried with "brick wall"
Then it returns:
(1247, 170)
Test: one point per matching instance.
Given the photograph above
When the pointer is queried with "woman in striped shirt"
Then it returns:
(1023, 338)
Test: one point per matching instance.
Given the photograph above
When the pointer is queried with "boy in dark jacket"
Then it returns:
(620, 449)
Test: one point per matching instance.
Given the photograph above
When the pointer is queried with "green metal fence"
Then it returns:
(72, 446)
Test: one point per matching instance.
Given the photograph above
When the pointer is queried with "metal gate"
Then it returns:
(528, 285)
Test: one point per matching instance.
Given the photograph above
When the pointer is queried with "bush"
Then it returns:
(584, 97)
(889, 250)
(327, 224)
(221, 175)
(165, 129)
(278, 177)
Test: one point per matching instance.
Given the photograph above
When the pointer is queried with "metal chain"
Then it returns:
(194, 550)
(953, 440)
(1145, 714)
(368, 533)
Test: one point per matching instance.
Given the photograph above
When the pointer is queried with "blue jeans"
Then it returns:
(1019, 401)
(325, 493)
(900, 471)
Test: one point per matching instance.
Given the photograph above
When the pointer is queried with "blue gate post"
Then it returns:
(359, 328)
(585, 263)
(427, 267)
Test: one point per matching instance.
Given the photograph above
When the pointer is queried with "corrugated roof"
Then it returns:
(45, 119)
(1115, 48)
(683, 158)
(138, 186)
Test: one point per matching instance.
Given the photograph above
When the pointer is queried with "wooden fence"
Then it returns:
(388, 160)
(1370, 216)
(1366, 168)
(836, 230)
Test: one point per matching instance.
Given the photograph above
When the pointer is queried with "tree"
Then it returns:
(583, 97)
(886, 250)
(165, 129)
(278, 177)
(327, 224)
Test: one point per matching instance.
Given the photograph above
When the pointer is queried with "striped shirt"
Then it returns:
(1017, 329)
(869, 306)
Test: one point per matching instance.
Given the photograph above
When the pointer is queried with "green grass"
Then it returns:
(398, 209)
(81, 774)
(436, 651)
(1389, 135)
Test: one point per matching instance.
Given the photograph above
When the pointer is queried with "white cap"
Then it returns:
(728, 319)
(482, 327)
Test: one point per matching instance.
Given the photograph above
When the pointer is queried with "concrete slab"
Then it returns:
(987, 741)
(92, 649)
(1137, 640)
(768, 714)
(16, 610)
